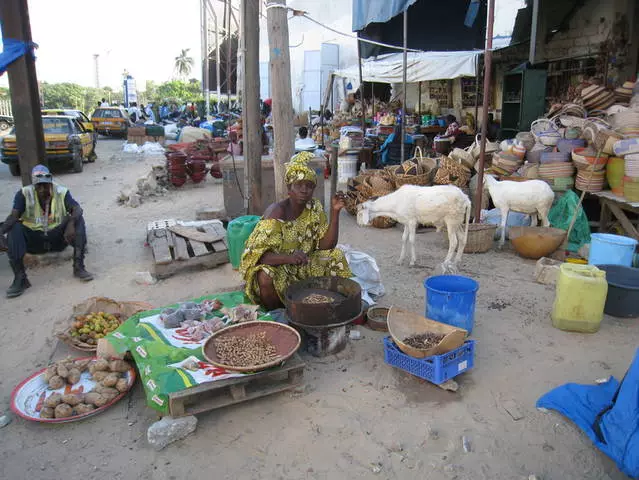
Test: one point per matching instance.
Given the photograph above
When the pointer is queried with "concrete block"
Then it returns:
(169, 430)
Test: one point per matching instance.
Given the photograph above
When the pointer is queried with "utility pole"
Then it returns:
(96, 60)
(23, 83)
(205, 57)
(280, 66)
(252, 124)
(217, 53)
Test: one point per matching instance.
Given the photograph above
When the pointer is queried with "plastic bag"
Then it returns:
(365, 272)
(150, 148)
(130, 148)
(515, 219)
(561, 215)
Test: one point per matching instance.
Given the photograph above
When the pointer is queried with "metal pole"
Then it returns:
(533, 32)
(228, 57)
(404, 81)
(488, 60)
(205, 58)
(361, 84)
(419, 100)
(477, 77)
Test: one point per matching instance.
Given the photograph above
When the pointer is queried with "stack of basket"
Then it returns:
(558, 175)
(591, 169)
(371, 184)
(628, 149)
(623, 94)
(596, 97)
(452, 172)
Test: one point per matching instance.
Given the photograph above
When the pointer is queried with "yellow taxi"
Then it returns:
(80, 117)
(65, 139)
(111, 121)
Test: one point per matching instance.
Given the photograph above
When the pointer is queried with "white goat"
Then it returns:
(533, 197)
(411, 205)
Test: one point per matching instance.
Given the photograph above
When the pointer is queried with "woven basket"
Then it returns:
(480, 237)
(351, 200)
(383, 222)
(379, 186)
(452, 173)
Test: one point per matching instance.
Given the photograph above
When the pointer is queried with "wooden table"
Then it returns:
(617, 206)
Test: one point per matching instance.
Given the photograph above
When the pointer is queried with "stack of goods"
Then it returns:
(596, 97)
(452, 172)
(351, 137)
(623, 94)
(628, 148)
(558, 175)
(200, 152)
(626, 122)
(591, 165)
(506, 163)
(176, 167)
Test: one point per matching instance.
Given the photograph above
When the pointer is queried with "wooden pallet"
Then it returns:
(221, 393)
(173, 253)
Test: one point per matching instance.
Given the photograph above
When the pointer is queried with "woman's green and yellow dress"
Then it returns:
(285, 237)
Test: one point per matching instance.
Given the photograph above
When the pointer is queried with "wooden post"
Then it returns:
(404, 85)
(280, 69)
(25, 97)
(252, 123)
(333, 153)
(361, 86)
(488, 61)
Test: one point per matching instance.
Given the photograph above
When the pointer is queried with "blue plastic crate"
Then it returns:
(436, 369)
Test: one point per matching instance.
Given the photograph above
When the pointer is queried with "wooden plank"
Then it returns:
(194, 234)
(219, 246)
(211, 260)
(214, 395)
(199, 248)
(625, 223)
(160, 246)
(215, 230)
(181, 250)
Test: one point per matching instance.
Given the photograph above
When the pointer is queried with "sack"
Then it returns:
(561, 214)
(365, 272)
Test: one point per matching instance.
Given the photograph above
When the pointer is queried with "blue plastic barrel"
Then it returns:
(608, 249)
(451, 299)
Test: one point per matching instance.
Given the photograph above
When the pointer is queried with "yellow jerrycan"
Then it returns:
(580, 297)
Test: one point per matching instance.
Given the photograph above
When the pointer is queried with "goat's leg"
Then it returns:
(543, 214)
(412, 227)
(504, 220)
(404, 240)
(452, 244)
(461, 242)
(534, 220)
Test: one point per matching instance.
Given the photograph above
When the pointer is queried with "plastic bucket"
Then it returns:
(450, 299)
(608, 249)
(623, 291)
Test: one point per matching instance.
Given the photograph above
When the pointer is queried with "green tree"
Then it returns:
(183, 63)
(178, 91)
(60, 95)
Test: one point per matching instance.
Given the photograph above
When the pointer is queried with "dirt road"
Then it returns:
(359, 417)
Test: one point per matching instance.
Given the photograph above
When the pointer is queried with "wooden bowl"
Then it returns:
(377, 319)
(402, 324)
(536, 242)
(285, 339)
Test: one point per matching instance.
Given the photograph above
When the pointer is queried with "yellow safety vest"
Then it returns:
(33, 216)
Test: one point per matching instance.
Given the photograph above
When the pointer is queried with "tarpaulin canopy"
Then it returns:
(376, 11)
(421, 67)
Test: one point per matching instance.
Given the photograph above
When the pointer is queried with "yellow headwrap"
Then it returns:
(297, 169)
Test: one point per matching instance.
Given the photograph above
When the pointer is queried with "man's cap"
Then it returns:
(41, 174)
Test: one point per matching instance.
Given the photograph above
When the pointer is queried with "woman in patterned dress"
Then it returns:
(293, 240)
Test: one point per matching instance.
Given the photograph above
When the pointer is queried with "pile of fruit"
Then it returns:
(91, 327)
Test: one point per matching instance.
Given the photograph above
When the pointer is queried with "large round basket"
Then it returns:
(536, 242)
(480, 237)
(285, 339)
(422, 180)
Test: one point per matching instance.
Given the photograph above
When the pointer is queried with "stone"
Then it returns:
(4, 421)
(355, 335)
(169, 430)
(450, 385)
(145, 278)
(210, 214)
(134, 201)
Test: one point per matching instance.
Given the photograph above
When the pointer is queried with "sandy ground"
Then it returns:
(359, 418)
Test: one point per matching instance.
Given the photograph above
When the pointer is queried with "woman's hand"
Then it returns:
(298, 258)
(337, 202)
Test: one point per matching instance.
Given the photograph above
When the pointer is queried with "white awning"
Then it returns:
(421, 67)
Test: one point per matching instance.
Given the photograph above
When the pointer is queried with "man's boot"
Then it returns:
(78, 266)
(20, 280)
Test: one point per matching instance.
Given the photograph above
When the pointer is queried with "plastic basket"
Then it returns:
(436, 369)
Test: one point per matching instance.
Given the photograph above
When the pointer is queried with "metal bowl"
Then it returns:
(345, 307)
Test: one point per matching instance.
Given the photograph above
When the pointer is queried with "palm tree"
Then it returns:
(183, 63)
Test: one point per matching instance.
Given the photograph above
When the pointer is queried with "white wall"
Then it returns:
(306, 35)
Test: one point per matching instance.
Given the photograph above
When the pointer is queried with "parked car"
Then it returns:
(66, 142)
(5, 123)
(111, 121)
(78, 115)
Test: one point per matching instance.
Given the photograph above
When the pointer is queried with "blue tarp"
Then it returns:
(615, 431)
(12, 50)
(376, 11)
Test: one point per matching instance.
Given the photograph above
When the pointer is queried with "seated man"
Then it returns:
(293, 241)
(45, 218)
(304, 143)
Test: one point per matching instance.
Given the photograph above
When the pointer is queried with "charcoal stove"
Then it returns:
(324, 326)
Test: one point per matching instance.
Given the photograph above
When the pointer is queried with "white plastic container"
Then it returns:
(346, 167)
